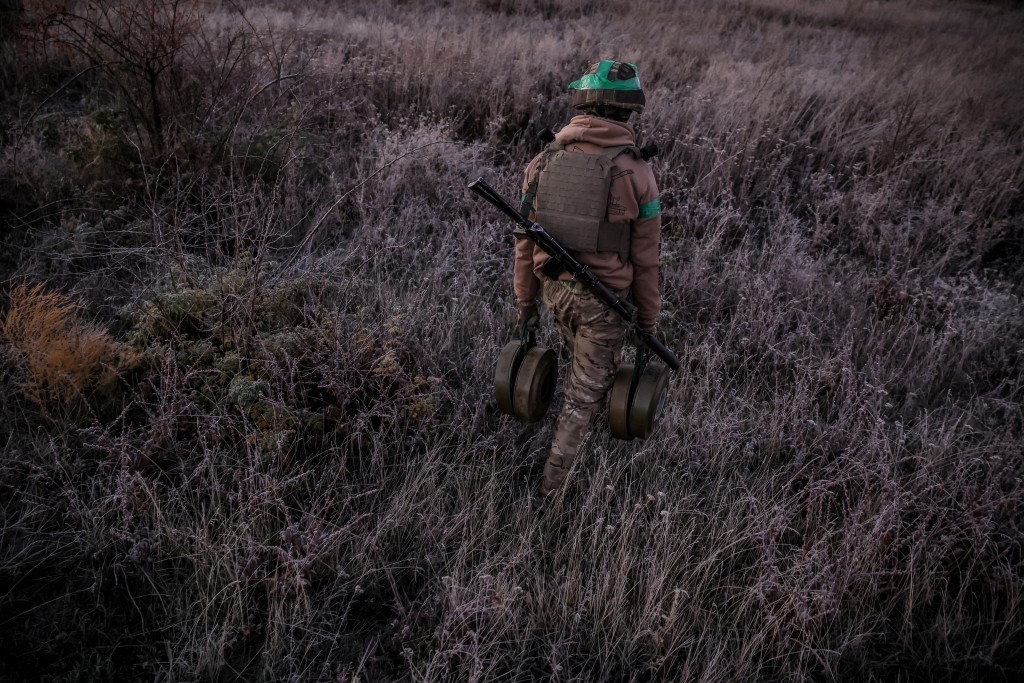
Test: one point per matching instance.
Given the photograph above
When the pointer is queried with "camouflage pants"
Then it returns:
(594, 335)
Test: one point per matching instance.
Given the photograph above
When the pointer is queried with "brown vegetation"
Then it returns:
(304, 476)
(62, 360)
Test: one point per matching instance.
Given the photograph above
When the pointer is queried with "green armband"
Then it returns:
(650, 209)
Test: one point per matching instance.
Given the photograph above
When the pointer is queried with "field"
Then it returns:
(249, 315)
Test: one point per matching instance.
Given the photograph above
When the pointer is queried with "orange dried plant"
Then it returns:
(63, 359)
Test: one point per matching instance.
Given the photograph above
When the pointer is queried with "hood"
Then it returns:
(597, 131)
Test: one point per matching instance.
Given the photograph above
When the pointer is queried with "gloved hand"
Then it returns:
(634, 338)
(529, 316)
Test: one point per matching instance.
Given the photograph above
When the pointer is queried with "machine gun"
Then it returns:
(561, 259)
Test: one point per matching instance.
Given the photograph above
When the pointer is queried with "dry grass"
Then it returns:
(307, 478)
(63, 360)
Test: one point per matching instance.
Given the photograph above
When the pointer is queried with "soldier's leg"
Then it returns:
(559, 301)
(598, 339)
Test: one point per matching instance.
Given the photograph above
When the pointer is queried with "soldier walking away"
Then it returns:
(591, 190)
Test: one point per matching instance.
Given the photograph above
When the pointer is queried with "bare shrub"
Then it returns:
(137, 45)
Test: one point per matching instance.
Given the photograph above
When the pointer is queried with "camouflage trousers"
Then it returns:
(594, 335)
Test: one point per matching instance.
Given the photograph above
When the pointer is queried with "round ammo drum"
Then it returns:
(535, 384)
(525, 379)
(637, 399)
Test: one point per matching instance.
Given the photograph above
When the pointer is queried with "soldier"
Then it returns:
(618, 240)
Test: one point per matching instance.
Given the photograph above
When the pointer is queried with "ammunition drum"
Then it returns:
(636, 400)
(524, 380)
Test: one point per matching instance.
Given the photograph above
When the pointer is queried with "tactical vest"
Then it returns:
(568, 193)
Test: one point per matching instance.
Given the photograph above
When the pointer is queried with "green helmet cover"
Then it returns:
(598, 80)
(610, 83)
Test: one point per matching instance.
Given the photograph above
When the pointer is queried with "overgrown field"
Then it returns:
(249, 314)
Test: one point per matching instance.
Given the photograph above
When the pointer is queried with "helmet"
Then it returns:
(610, 83)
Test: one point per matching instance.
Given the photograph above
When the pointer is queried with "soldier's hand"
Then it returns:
(635, 334)
(528, 316)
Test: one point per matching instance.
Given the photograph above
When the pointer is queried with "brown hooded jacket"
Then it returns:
(633, 198)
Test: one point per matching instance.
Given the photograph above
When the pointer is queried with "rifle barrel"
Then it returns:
(481, 187)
